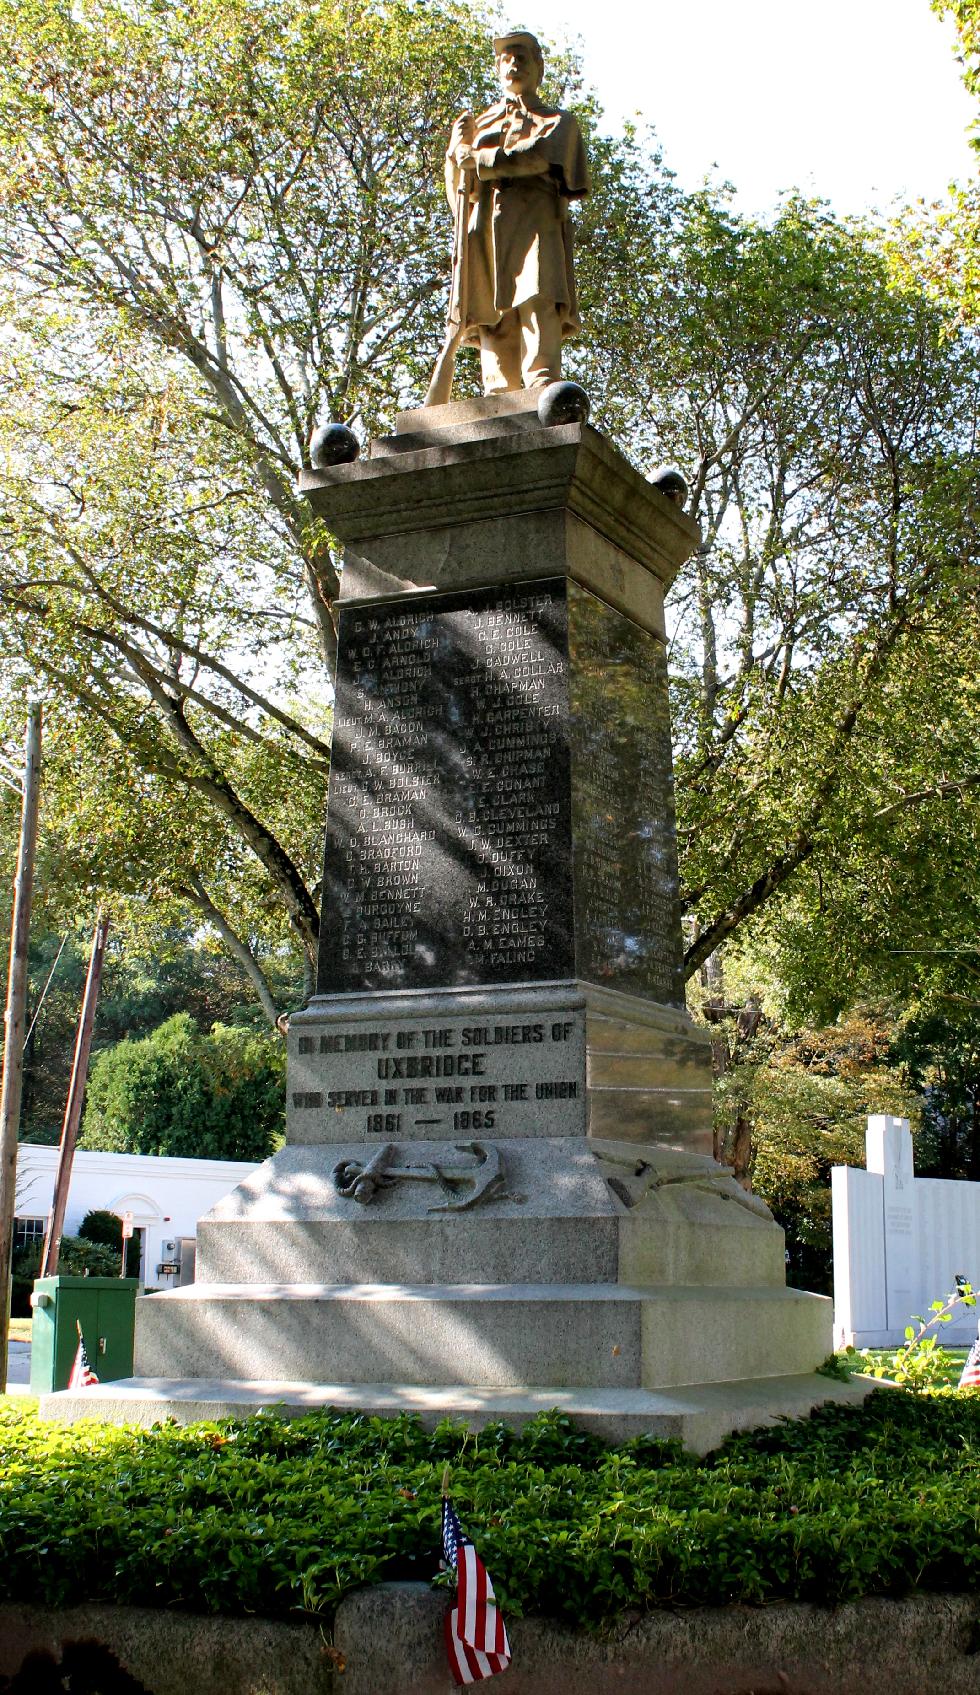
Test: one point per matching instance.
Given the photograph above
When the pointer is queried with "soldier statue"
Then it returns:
(510, 175)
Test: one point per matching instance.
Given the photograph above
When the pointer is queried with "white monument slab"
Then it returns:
(889, 1152)
(900, 1242)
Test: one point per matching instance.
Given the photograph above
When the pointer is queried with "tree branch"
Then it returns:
(195, 892)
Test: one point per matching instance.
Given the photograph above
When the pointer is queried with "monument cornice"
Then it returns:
(409, 486)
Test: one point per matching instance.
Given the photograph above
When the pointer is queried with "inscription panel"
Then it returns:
(448, 846)
(484, 1076)
(627, 921)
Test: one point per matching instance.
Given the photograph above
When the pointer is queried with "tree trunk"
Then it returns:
(15, 1021)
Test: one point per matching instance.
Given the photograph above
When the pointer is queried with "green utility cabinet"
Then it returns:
(105, 1307)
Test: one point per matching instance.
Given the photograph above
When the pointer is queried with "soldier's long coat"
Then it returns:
(530, 162)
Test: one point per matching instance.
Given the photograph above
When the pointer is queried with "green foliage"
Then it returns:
(106, 1227)
(262, 1516)
(77, 1257)
(966, 16)
(939, 1045)
(837, 1367)
(148, 977)
(99, 1226)
(922, 1363)
(807, 1094)
(178, 1092)
(879, 1362)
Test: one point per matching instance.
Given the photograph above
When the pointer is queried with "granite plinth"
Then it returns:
(592, 1335)
(649, 1072)
(553, 1060)
(501, 798)
(625, 885)
(487, 412)
(497, 1190)
(561, 1211)
(501, 1063)
(448, 847)
(460, 421)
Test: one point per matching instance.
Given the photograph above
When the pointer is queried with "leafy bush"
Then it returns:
(106, 1227)
(261, 1515)
(76, 1258)
(195, 1096)
(922, 1362)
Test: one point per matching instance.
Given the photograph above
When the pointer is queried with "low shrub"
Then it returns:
(106, 1229)
(265, 1516)
(76, 1258)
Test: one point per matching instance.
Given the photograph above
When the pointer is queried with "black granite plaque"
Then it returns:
(627, 925)
(448, 850)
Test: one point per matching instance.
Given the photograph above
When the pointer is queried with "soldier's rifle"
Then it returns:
(441, 386)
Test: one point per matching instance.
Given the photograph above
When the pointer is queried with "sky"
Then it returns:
(858, 101)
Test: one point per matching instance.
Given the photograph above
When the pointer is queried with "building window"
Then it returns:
(27, 1231)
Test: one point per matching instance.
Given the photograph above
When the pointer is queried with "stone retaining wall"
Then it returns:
(388, 1641)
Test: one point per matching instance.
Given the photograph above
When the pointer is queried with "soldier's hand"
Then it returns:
(462, 137)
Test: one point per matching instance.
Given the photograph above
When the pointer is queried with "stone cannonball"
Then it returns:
(333, 444)
(671, 482)
(564, 403)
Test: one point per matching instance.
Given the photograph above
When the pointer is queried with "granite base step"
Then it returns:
(592, 1336)
(558, 1210)
(697, 1415)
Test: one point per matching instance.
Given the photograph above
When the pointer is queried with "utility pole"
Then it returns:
(15, 1017)
(76, 1095)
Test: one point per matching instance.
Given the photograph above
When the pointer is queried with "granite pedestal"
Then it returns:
(497, 1191)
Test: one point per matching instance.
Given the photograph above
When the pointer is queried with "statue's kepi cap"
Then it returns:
(518, 34)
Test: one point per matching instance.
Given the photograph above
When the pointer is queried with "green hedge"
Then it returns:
(264, 1516)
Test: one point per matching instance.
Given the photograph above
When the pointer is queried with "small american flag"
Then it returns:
(476, 1641)
(82, 1375)
(970, 1376)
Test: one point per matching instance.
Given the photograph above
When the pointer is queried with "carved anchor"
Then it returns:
(465, 1185)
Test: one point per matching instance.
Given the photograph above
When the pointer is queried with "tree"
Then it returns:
(807, 1095)
(218, 224)
(940, 1048)
(147, 979)
(193, 1096)
(77, 1257)
(966, 16)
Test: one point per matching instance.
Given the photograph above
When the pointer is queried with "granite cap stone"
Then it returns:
(569, 467)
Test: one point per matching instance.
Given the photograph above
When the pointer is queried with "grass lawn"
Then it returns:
(948, 1366)
(20, 1329)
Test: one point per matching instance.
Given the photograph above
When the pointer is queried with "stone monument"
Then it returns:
(497, 1193)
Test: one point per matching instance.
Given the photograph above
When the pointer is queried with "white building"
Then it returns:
(165, 1196)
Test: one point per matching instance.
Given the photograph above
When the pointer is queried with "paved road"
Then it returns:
(18, 1368)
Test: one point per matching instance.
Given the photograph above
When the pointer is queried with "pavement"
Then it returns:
(19, 1368)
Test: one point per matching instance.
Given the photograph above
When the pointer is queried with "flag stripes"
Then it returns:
(476, 1639)
(82, 1375)
(970, 1377)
